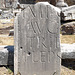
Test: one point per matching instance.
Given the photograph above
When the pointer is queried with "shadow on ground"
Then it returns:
(69, 63)
(10, 62)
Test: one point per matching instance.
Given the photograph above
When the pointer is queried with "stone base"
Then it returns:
(6, 55)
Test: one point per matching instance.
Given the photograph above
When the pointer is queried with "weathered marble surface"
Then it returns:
(37, 45)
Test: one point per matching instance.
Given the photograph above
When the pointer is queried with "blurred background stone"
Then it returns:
(68, 28)
(70, 2)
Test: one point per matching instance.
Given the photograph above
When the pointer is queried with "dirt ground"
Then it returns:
(69, 39)
(6, 70)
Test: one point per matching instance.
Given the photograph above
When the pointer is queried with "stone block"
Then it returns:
(7, 15)
(68, 51)
(68, 28)
(68, 13)
(9, 3)
(6, 55)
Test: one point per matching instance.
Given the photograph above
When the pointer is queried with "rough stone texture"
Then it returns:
(68, 28)
(6, 15)
(6, 55)
(68, 13)
(6, 3)
(2, 5)
(37, 45)
(68, 51)
(9, 3)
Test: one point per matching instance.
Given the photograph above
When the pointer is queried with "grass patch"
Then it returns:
(10, 71)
